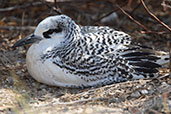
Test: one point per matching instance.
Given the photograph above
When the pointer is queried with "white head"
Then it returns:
(58, 28)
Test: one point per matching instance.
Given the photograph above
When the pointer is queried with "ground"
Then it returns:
(20, 93)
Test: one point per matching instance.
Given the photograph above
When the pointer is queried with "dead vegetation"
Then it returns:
(20, 93)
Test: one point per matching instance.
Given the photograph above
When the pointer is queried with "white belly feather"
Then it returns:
(49, 73)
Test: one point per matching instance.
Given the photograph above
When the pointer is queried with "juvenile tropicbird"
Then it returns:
(65, 54)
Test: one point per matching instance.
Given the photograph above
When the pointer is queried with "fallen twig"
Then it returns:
(19, 6)
(163, 24)
(57, 7)
(57, 10)
(154, 111)
(155, 32)
(80, 101)
(165, 103)
(165, 5)
(169, 47)
(17, 28)
(70, 1)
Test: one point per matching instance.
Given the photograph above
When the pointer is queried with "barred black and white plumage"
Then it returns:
(65, 54)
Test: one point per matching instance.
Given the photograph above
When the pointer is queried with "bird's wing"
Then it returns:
(108, 54)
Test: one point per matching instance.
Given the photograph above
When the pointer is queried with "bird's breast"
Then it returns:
(47, 72)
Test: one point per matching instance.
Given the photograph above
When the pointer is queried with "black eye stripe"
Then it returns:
(51, 31)
(46, 34)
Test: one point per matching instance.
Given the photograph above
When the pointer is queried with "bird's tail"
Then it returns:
(143, 62)
(163, 57)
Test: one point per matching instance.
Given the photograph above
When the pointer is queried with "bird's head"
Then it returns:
(54, 27)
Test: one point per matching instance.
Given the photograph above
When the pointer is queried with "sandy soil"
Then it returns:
(20, 93)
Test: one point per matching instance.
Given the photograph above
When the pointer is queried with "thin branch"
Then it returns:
(165, 6)
(155, 32)
(71, 1)
(154, 111)
(163, 24)
(138, 23)
(79, 101)
(166, 109)
(169, 46)
(19, 6)
(17, 28)
(57, 7)
(50, 7)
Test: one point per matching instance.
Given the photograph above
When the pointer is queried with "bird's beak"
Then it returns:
(27, 40)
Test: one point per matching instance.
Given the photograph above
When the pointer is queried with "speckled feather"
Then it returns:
(96, 56)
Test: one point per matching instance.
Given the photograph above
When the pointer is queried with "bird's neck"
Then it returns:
(73, 33)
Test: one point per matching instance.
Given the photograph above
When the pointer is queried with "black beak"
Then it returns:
(27, 40)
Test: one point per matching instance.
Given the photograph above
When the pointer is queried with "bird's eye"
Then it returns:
(57, 30)
(51, 31)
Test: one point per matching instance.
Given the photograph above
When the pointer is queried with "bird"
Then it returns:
(65, 54)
